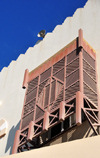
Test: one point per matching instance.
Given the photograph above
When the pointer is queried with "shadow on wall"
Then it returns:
(11, 137)
(78, 132)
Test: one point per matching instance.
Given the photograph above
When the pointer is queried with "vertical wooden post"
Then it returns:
(98, 93)
(79, 105)
(79, 94)
(16, 142)
(80, 44)
(30, 131)
(24, 85)
(62, 111)
(46, 121)
(80, 39)
(81, 70)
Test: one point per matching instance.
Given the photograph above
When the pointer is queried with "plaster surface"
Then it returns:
(88, 147)
(11, 77)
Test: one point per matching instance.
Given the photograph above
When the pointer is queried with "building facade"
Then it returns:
(11, 94)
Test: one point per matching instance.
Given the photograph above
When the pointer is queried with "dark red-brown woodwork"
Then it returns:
(79, 106)
(25, 78)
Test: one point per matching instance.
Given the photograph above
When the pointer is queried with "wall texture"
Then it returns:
(11, 78)
(88, 147)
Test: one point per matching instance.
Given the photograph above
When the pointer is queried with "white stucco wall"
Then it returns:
(83, 148)
(11, 78)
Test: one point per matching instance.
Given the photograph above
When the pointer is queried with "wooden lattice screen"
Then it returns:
(63, 86)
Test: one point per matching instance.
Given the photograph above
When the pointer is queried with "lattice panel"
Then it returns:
(29, 107)
(45, 75)
(53, 86)
(42, 85)
(46, 99)
(59, 87)
(39, 113)
(40, 99)
(89, 59)
(71, 90)
(88, 80)
(57, 101)
(58, 65)
(60, 74)
(72, 56)
(60, 96)
(72, 66)
(27, 119)
(32, 84)
(70, 79)
(41, 93)
(90, 94)
(88, 68)
(31, 95)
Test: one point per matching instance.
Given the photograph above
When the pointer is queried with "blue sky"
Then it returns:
(21, 20)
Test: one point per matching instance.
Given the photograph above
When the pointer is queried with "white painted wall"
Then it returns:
(11, 78)
(84, 148)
